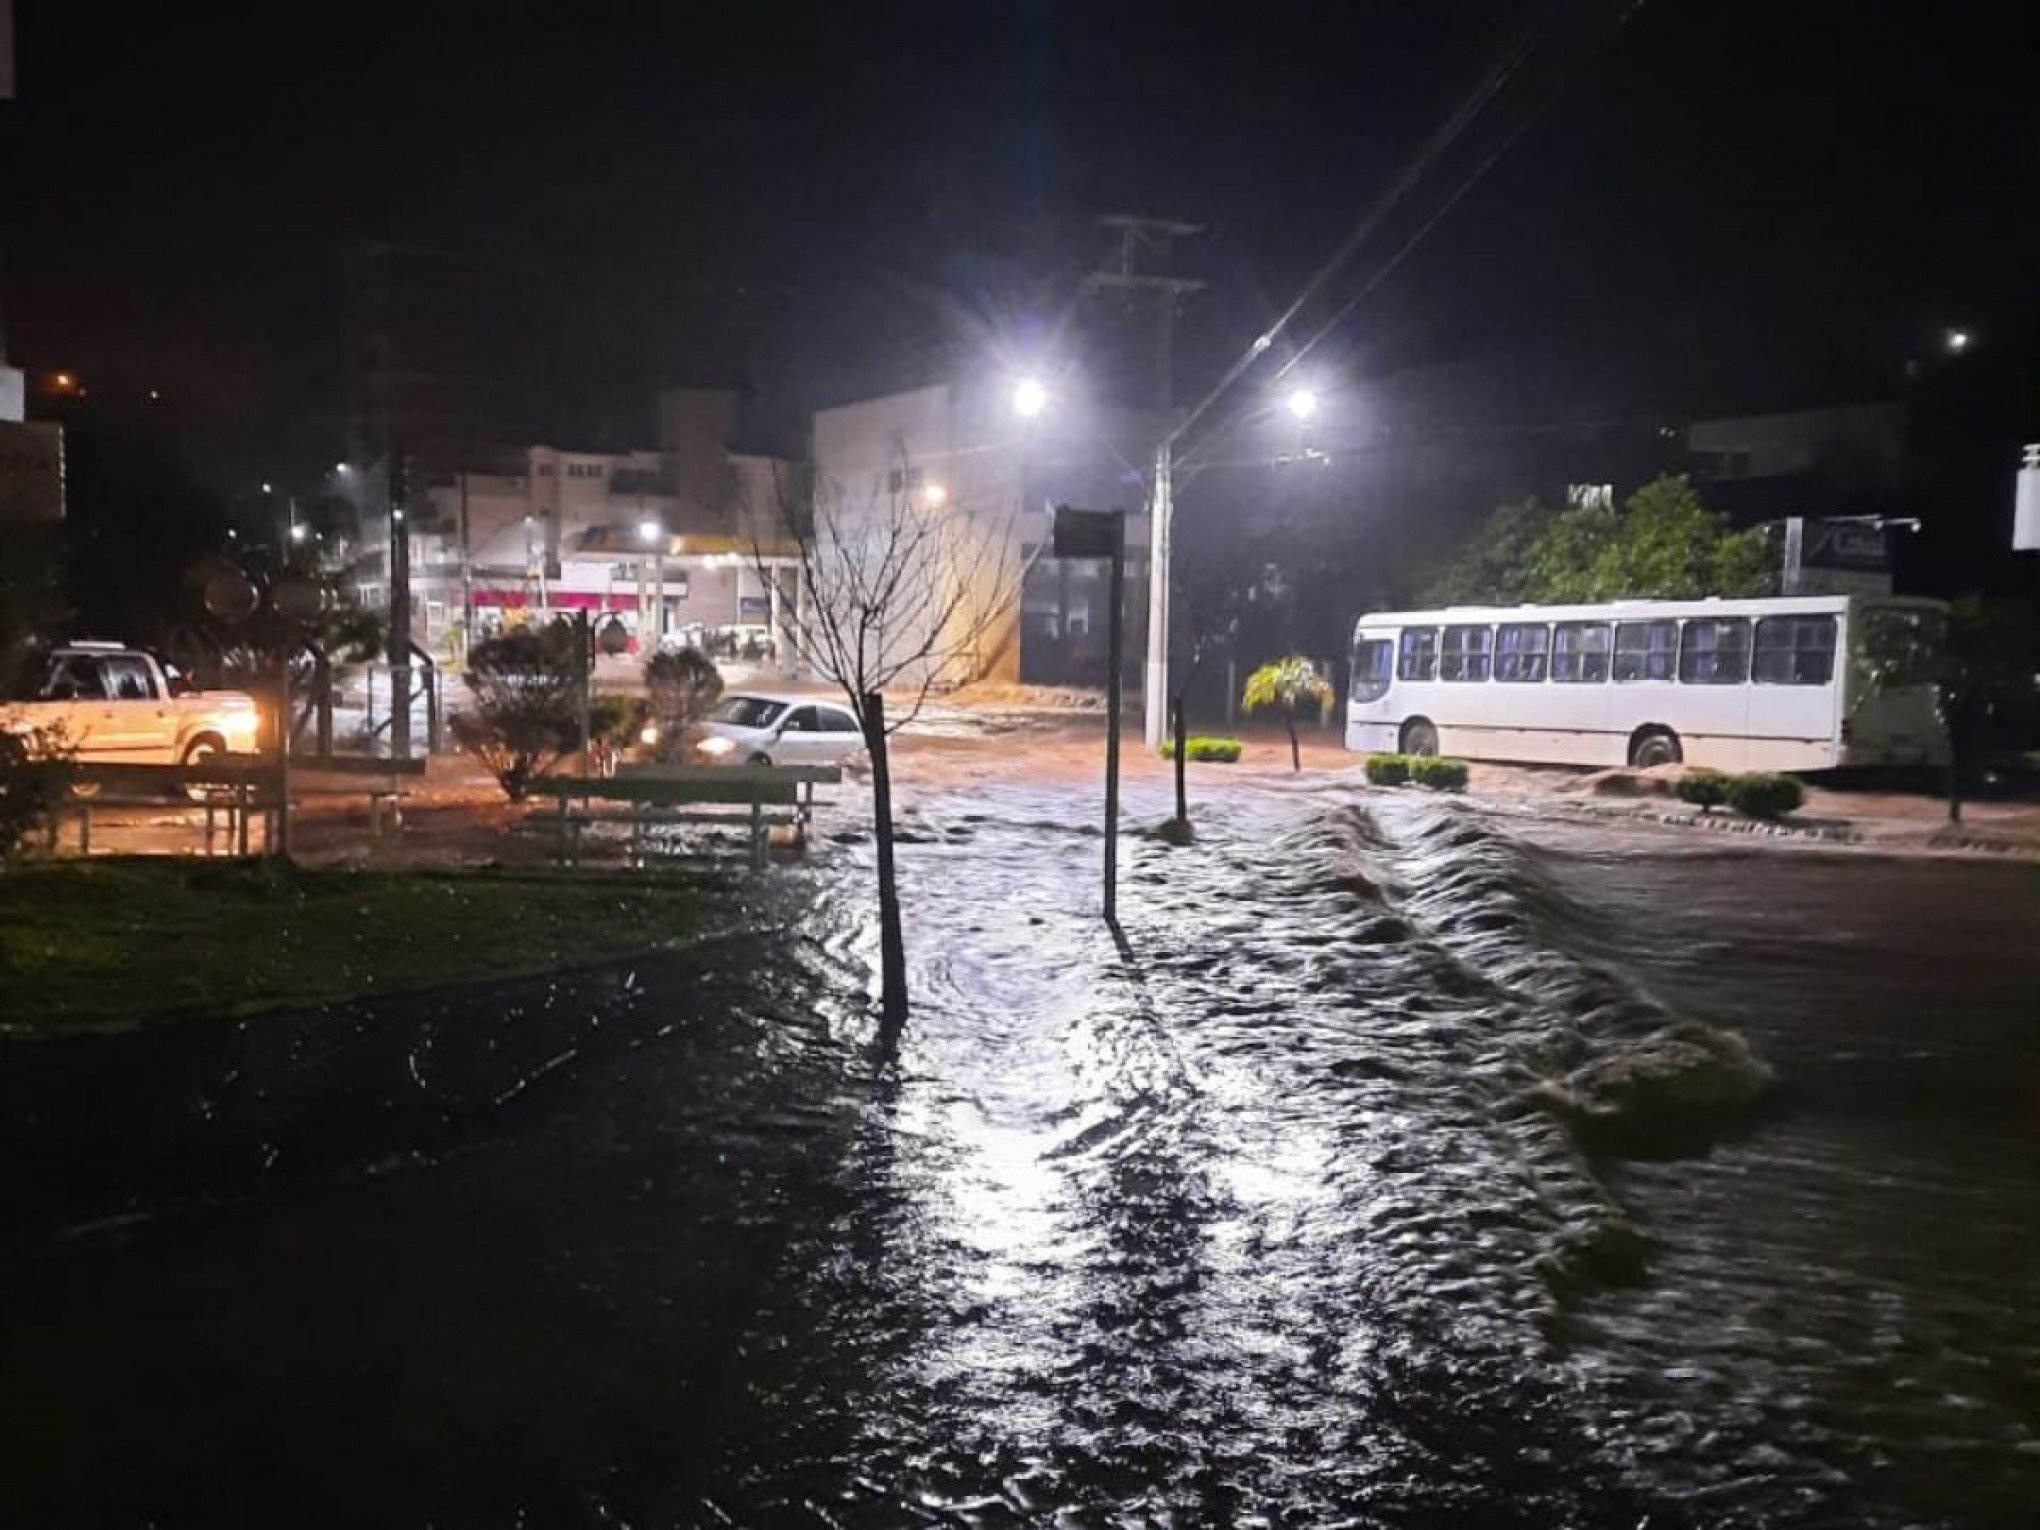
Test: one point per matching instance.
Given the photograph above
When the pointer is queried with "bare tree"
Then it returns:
(902, 591)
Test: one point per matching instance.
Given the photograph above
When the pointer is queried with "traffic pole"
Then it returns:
(1116, 649)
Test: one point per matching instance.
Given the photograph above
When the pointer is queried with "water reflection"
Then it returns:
(1310, 1201)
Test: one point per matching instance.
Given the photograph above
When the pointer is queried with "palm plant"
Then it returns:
(1288, 683)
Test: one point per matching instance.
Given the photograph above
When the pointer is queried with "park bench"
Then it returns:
(233, 789)
(754, 798)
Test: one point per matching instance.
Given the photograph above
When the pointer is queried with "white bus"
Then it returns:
(1798, 683)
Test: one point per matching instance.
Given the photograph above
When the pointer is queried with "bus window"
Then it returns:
(1715, 651)
(1371, 667)
(1419, 659)
(1466, 653)
(1579, 652)
(1644, 650)
(1520, 649)
(1794, 650)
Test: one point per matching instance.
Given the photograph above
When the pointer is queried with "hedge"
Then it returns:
(1703, 786)
(1765, 795)
(1388, 769)
(1432, 770)
(1214, 751)
(1438, 772)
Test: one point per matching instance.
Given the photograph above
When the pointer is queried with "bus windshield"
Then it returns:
(1900, 646)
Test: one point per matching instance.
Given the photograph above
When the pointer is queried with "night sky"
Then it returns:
(1706, 204)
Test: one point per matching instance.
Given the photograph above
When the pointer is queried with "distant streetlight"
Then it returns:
(342, 469)
(1030, 397)
(266, 489)
(653, 534)
(1958, 340)
(297, 531)
(1302, 403)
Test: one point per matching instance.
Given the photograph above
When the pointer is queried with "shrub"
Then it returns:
(1438, 772)
(680, 687)
(526, 715)
(1388, 769)
(1765, 795)
(1703, 787)
(1212, 751)
(35, 778)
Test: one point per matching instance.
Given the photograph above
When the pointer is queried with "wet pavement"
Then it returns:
(1395, 1164)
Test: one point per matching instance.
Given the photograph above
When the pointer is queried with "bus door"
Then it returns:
(1793, 681)
(1711, 713)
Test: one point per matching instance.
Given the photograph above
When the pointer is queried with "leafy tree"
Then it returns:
(1496, 565)
(1665, 544)
(526, 715)
(1989, 677)
(1286, 683)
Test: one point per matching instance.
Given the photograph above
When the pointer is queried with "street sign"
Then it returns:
(1102, 534)
(2026, 503)
(1089, 533)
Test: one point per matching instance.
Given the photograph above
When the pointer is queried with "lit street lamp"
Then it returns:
(653, 535)
(1302, 403)
(1030, 397)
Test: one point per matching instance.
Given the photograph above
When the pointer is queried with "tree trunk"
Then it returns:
(1295, 751)
(1176, 724)
(892, 943)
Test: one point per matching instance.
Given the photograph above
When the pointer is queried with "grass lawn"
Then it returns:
(112, 942)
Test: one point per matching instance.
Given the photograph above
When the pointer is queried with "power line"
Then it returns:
(1446, 136)
(1412, 174)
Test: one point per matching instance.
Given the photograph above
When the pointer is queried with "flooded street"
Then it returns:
(1397, 1163)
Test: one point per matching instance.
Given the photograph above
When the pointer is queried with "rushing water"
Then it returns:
(1391, 1166)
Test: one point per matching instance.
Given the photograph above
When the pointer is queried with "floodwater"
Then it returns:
(1395, 1165)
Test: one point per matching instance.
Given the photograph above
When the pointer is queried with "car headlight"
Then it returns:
(717, 745)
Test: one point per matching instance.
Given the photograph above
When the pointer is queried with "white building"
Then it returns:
(961, 454)
(659, 542)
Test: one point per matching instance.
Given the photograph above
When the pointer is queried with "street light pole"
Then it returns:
(1155, 680)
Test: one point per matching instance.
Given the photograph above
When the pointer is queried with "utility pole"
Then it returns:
(467, 575)
(1155, 677)
(1139, 276)
(400, 613)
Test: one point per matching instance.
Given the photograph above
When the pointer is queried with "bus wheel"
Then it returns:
(1655, 746)
(1419, 736)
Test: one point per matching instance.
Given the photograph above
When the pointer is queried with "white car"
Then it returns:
(753, 729)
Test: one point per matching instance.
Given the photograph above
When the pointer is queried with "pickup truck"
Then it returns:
(110, 704)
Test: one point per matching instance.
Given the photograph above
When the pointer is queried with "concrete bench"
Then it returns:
(755, 798)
